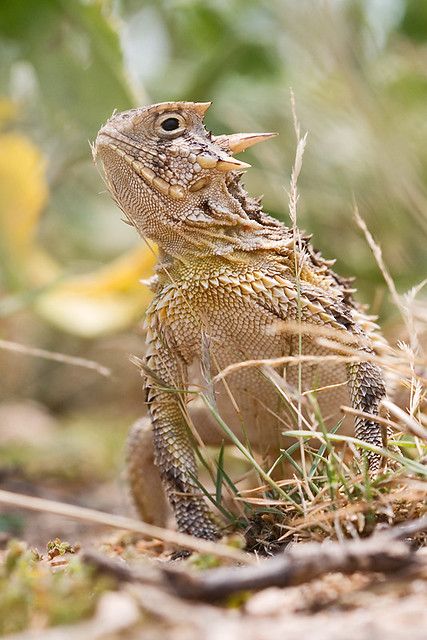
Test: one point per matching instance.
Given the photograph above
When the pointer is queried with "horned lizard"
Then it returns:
(229, 280)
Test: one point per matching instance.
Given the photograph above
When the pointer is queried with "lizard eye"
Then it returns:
(170, 125)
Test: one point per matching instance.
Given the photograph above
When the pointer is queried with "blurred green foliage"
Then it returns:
(358, 71)
(31, 595)
(81, 452)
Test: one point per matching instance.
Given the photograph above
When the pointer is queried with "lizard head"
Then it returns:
(168, 174)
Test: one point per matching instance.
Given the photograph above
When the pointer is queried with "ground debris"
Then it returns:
(115, 612)
(387, 552)
(358, 590)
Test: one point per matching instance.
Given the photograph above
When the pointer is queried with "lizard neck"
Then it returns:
(223, 221)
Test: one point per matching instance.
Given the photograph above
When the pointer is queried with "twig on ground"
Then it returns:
(385, 552)
(120, 570)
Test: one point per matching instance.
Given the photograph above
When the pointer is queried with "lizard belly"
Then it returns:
(223, 331)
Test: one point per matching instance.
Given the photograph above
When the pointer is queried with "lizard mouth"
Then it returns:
(110, 139)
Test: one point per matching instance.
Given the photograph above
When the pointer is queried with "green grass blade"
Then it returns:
(411, 465)
(219, 475)
(232, 436)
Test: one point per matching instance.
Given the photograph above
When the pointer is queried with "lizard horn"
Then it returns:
(231, 164)
(223, 163)
(237, 142)
(201, 107)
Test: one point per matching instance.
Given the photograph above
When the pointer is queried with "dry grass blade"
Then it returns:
(121, 522)
(408, 421)
(299, 257)
(376, 250)
(339, 343)
(405, 309)
(274, 362)
(409, 425)
(55, 356)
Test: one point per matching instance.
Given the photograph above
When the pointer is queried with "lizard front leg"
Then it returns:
(174, 454)
(367, 390)
(365, 378)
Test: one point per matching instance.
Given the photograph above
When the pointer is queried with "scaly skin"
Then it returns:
(225, 287)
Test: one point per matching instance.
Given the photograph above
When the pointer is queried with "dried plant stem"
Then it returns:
(312, 359)
(299, 261)
(414, 348)
(54, 355)
(274, 362)
(410, 423)
(376, 250)
(121, 522)
(362, 414)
